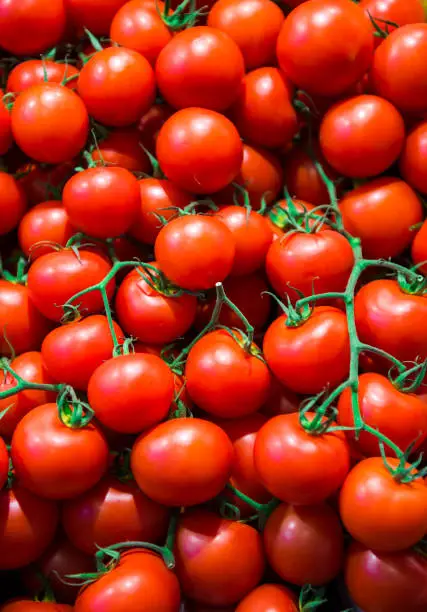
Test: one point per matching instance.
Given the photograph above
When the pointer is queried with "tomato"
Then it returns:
(205, 546)
(95, 15)
(117, 86)
(6, 138)
(111, 512)
(22, 323)
(254, 26)
(413, 161)
(379, 511)
(283, 211)
(274, 597)
(381, 213)
(263, 112)
(36, 72)
(13, 203)
(182, 462)
(386, 581)
(4, 463)
(42, 183)
(397, 70)
(418, 251)
(325, 46)
(195, 252)
(25, 605)
(122, 147)
(280, 400)
(55, 277)
(292, 353)
(151, 122)
(27, 526)
(31, 27)
(199, 150)
(46, 222)
(343, 136)
(396, 11)
(150, 315)
(304, 544)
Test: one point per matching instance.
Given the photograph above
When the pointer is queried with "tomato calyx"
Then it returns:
(73, 412)
(316, 420)
(405, 472)
(181, 18)
(295, 315)
(22, 384)
(20, 276)
(230, 511)
(310, 598)
(121, 465)
(409, 379)
(159, 283)
(379, 32)
(411, 282)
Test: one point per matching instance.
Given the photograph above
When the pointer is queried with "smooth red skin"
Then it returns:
(31, 27)
(13, 203)
(53, 460)
(397, 11)
(72, 352)
(23, 323)
(379, 511)
(151, 122)
(419, 248)
(304, 544)
(27, 526)
(381, 213)
(182, 462)
(386, 582)
(292, 353)
(199, 161)
(25, 605)
(112, 512)
(32, 72)
(6, 138)
(325, 47)
(102, 201)
(271, 597)
(150, 316)
(39, 117)
(131, 393)
(343, 136)
(46, 222)
(95, 15)
(55, 277)
(225, 380)
(122, 147)
(117, 86)
(397, 69)
(206, 545)
(37, 180)
(195, 252)
(413, 160)
(4, 463)
(140, 582)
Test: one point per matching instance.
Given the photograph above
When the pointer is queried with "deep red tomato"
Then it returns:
(151, 122)
(13, 203)
(413, 161)
(381, 213)
(325, 46)
(419, 250)
(199, 150)
(206, 545)
(195, 251)
(35, 72)
(117, 86)
(343, 135)
(27, 526)
(41, 183)
(26, 605)
(292, 353)
(381, 512)
(4, 463)
(122, 147)
(223, 378)
(141, 581)
(389, 582)
(39, 118)
(95, 15)
(31, 27)
(395, 11)
(46, 222)
(6, 138)
(182, 462)
(274, 597)
(304, 544)
(55, 277)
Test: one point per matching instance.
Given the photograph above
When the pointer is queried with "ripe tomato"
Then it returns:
(396, 11)
(122, 147)
(4, 463)
(343, 135)
(292, 353)
(151, 122)
(117, 86)
(182, 462)
(413, 161)
(325, 46)
(195, 252)
(6, 138)
(199, 150)
(111, 512)
(95, 15)
(27, 526)
(46, 222)
(55, 277)
(42, 183)
(419, 251)
(26, 605)
(205, 546)
(36, 72)
(381, 213)
(141, 581)
(381, 512)
(12, 203)
(275, 597)
(38, 119)
(304, 544)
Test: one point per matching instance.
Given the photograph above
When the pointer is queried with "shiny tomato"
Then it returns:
(13, 203)
(122, 147)
(26, 605)
(274, 597)
(6, 137)
(413, 161)
(419, 250)
(46, 222)
(395, 11)
(95, 15)
(151, 122)
(35, 72)
(4, 463)
(182, 462)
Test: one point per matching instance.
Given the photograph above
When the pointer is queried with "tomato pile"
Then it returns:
(213, 306)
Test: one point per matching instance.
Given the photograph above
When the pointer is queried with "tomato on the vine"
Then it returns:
(400, 12)
(122, 147)
(35, 72)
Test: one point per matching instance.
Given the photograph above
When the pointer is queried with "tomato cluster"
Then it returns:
(213, 306)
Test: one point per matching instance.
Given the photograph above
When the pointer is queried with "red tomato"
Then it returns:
(381, 213)
(117, 86)
(46, 222)
(292, 353)
(13, 203)
(325, 46)
(122, 147)
(282, 212)
(274, 597)
(55, 277)
(379, 511)
(25, 605)
(199, 150)
(396, 11)
(42, 183)
(413, 161)
(151, 122)
(182, 462)
(27, 526)
(36, 72)
(195, 252)
(304, 544)
(419, 251)
(95, 15)
(31, 27)
(218, 561)
(6, 138)
(4, 463)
